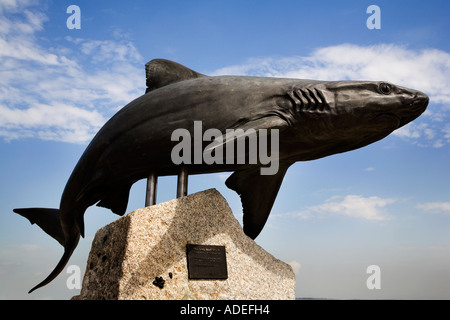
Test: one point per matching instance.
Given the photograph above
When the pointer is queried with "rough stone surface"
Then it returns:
(128, 254)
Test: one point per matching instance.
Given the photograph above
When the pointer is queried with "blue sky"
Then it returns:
(387, 204)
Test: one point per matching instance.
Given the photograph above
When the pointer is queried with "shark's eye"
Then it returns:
(385, 88)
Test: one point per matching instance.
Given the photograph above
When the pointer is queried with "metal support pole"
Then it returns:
(150, 196)
(182, 182)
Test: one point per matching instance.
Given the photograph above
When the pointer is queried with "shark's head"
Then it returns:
(352, 114)
(376, 106)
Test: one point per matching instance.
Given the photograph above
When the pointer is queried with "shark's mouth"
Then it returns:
(415, 109)
(407, 113)
(419, 105)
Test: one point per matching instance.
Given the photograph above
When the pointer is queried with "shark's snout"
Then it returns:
(410, 105)
(420, 101)
(414, 108)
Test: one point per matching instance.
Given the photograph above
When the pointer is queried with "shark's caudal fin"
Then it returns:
(161, 72)
(49, 221)
(68, 250)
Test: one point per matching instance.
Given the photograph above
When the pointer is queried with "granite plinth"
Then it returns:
(133, 254)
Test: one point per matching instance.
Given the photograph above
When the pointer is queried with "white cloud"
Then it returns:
(108, 50)
(428, 133)
(50, 122)
(15, 5)
(64, 93)
(445, 138)
(415, 130)
(353, 206)
(439, 207)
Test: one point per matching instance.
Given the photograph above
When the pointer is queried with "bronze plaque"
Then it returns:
(206, 262)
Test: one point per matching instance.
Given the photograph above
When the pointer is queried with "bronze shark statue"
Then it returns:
(313, 119)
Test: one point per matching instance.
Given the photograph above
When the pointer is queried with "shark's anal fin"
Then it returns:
(258, 193)
(161, 72)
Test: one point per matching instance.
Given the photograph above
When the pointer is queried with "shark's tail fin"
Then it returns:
(49, 221)
(68, 250)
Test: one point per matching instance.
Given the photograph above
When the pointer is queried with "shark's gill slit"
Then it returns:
(323, 102)
(298, 96)
(316, 102)
(308, 99)
(294, 101)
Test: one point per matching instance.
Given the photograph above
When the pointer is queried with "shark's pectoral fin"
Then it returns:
(116, 199)
(258, 193)
(248, 128)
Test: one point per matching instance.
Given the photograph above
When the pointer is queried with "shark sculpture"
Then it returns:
(313, 119)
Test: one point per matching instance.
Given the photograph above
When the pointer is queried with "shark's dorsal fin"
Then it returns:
(161, 72)
(258, 193)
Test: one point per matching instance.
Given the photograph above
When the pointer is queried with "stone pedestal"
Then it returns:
(150, 243)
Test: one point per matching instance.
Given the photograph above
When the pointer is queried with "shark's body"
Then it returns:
(314, 118)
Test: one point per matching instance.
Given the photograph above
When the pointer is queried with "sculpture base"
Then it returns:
(143, 255)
